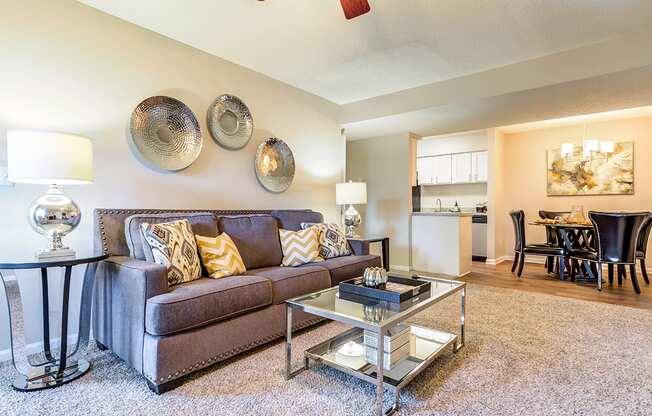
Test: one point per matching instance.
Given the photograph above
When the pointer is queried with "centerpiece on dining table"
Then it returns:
(575, 217)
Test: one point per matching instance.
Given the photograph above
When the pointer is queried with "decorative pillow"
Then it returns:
(332, 241)
(299, 247)
(220, 256)
(173, 245)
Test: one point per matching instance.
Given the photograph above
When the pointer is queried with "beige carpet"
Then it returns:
(526, 354)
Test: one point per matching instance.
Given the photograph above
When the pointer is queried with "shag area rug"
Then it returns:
(525, 354)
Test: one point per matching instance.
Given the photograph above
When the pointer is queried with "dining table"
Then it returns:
(572, 236)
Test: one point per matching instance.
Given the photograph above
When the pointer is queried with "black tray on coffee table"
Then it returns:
(398, 289)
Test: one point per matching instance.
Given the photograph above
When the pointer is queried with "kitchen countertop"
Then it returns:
(445, 213)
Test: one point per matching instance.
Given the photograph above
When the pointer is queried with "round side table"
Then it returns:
(47, 369)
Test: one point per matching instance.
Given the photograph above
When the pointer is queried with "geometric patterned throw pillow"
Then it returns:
(332, 241)
(299, 247)
(173, 245)
(220, 256)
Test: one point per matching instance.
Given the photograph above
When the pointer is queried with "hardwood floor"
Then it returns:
(535, 279)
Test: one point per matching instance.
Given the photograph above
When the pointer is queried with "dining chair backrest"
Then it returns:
(617, 234)
(551, 236)
(518, 219)
(644, 235)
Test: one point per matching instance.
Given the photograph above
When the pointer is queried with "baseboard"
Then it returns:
(493, 262)
(36, 347)
(399, 268)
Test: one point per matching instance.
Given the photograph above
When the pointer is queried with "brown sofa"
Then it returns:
(166, 333)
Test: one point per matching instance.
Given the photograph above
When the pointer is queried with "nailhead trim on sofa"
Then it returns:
(100, 212)
(228, 354)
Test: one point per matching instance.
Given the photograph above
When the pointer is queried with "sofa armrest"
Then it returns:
(122, 287)
(359, 247)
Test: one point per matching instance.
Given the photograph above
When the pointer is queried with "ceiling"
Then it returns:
(397, 46)
(645, 111)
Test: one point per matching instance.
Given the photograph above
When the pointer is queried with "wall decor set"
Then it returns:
(167, 135)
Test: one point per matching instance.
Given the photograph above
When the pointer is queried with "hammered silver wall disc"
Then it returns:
(230, 122)
(166, 133)
(274, 165)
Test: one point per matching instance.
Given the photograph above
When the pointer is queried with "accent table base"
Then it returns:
(47, 376)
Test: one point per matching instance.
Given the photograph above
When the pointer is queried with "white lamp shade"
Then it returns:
(49, 158)
(591, 145)
(607, 147)
(567, 149)
(351, 193)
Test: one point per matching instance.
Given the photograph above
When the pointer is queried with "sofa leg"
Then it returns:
(165, 387)
(101, 346)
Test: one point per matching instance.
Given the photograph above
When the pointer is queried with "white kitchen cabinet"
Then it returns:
(441, 169)
(462, 168)
(424, 170)
(479, 165)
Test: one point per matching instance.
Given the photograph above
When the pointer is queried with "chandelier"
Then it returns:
(591, 149)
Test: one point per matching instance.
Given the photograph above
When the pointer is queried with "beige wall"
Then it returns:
(471, 141)
(67, 67)
(525, 173)
(497, 168)
(385, 164)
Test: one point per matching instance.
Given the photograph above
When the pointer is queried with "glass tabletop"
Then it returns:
(372, 313)
(563, 225)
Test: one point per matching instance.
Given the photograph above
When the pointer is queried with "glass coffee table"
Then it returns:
(376, 316)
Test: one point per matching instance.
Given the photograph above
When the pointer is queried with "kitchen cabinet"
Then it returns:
(467, 167)
(424, 170)
(461, 168)
(441, 169)
(479, 166)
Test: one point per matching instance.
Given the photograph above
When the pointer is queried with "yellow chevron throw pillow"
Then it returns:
(220, 256)
(299, 247)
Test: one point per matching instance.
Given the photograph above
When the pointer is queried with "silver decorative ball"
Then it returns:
(54, 215)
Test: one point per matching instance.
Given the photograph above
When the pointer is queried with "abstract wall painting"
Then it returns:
(611, 174)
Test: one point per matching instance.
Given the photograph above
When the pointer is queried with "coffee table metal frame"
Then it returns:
(315, 352)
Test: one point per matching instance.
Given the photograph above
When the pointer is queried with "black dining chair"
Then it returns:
(641, 246)
(521, 248)
(616, 237)
(551, 235)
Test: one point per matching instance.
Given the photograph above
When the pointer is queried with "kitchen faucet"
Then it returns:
(438, 202)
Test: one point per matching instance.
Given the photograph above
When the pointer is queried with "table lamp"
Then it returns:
(350, 193)
(53, 159)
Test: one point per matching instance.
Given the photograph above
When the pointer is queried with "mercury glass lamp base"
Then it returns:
(47, 376)
(352, 220)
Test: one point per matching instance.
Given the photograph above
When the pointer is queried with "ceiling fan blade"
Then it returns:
(354, 8)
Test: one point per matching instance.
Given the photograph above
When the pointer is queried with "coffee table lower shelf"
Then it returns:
(425, 345)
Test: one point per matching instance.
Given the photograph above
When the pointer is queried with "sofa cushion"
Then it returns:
(291, 219)
(220, 256)
(172, 244)
(299, 247)
(290, 282)
(256, 237)
(205, 301)
(332, 241)
(348, 267)
(203, 223)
